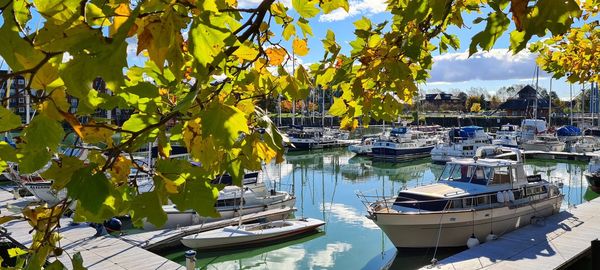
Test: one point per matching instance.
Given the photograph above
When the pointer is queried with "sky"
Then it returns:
(453, 70)
(489, 70)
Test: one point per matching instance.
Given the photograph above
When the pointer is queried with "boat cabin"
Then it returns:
(468, 183)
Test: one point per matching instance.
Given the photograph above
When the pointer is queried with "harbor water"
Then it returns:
(325, 184)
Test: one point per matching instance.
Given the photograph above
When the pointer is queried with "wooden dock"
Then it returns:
(559, 240)
(167, 238)
(103, 252)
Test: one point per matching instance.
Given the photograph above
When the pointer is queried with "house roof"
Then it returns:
(522, 104)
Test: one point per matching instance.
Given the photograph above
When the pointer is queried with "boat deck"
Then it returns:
(104, 252)
(554, 155)
(557, 241)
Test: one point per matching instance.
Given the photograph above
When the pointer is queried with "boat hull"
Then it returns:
(177, 219)
(401, 153)
(233, 237)
(593, 181)
(543, 147)
(422, 230)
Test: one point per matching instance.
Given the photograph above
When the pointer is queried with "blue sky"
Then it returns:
(453, 70)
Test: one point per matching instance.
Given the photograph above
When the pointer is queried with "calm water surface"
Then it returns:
(325, 183)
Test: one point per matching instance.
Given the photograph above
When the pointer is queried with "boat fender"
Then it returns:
(491, 237)
(505, 194)
(511, 196)
(195, 218)
(472, 241)
(500, 197)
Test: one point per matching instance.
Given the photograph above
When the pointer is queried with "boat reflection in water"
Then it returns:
(324, 185)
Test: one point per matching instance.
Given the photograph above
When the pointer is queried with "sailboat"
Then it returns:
(250, 234)
(233, 236)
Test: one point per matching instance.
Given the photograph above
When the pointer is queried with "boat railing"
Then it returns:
(375, 203)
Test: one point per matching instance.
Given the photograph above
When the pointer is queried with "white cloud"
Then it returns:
(496, 64)
(360, 7)
(349, 215)
(325, 258)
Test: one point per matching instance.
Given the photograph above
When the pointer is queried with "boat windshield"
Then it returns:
(467, 173)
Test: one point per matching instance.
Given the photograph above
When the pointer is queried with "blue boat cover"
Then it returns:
(398, 131)
(469, 131)
(568, 131)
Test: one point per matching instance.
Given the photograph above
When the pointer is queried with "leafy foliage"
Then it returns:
(201, 90)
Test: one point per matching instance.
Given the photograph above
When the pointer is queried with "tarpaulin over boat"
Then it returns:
(568, 131)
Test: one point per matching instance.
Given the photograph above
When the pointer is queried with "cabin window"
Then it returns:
(458, 172)
(481, 176)
(501, 176)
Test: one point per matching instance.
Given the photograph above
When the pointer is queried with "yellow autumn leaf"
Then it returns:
(119, 172)
(122, 12)
(300, 47)
(246, 53)
(276, 56)
(91, 133)
(55, 104)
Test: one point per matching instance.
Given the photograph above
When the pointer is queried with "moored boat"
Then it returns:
(473, 197)
(232, 201)
(250, 234)
(592, 174)
(545, 142)
(462, 142)
(403, 144)
(364, 147)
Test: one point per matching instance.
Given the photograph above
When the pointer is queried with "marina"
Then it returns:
(293, 135)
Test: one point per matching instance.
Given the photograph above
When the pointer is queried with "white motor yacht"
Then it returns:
(364, 147)
(473, 198)
(544, 142)
(507, 135)
(404, 144)
(462, 142)
(230, 203)
(585, 144)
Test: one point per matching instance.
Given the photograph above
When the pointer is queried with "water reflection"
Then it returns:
(325, 183)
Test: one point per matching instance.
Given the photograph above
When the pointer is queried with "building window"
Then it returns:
(21, 100)
(21, 109)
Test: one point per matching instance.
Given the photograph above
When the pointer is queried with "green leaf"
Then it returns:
(288, 31)
(497, 23)
(363, 24)
(43, 132)
(197, 194)
(89, 188)
(77, 262)
(140, 121)
(8, 120)
(305, 27)
(62, 172)
(55, 265)
(224, 122)
(22, 13)
(326, 77)
(305, 8)
(208, 37)
(331, 5)
(148, 206)
(16, 51)
(14, 252)
(338, 107)
(555, 16)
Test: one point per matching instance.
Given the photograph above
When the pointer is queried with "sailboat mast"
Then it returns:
(535, 107)
(550, 104)
(322, 106)
(293, 100)
(571, 101)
